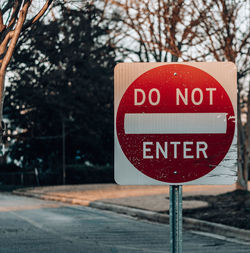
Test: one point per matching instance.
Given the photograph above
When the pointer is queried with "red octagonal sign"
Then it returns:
(175, 123)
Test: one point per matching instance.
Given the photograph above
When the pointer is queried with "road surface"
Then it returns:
(30, 225)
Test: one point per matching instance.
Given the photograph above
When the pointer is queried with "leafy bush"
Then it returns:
(82, 174)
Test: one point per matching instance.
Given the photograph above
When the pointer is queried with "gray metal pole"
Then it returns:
(175, 218)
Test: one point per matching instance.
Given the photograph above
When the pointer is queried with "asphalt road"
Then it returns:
(31, 225)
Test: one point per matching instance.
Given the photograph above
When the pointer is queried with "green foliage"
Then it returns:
(62, 74)
(87, 174)
(9, 168)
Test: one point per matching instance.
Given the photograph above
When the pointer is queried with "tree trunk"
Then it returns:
(2, 80)
(242, 183)
(248, 136)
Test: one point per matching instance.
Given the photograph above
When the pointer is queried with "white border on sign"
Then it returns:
(225, 173)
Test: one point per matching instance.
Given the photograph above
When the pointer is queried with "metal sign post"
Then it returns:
(175, 218)
(175, 115)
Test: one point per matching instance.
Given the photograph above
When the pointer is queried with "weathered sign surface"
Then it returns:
(175, 123)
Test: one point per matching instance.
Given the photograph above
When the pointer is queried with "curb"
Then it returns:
(52, 198)
(188, 223)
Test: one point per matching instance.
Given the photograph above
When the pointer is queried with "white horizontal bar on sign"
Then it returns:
(175, 123)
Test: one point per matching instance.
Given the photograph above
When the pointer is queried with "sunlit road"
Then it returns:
(31, 225)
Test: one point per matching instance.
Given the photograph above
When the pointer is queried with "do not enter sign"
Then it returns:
(174, 123)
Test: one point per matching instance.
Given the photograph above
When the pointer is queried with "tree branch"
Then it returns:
(39, 15)
(2, 26)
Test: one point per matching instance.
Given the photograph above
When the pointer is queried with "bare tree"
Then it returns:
(190, 30)
(14, 18)
(226, 28)
(156, 30)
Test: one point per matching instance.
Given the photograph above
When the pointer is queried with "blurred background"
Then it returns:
(59, 95)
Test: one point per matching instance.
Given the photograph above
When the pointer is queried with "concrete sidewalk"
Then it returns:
(146, 202)
(154, 198)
